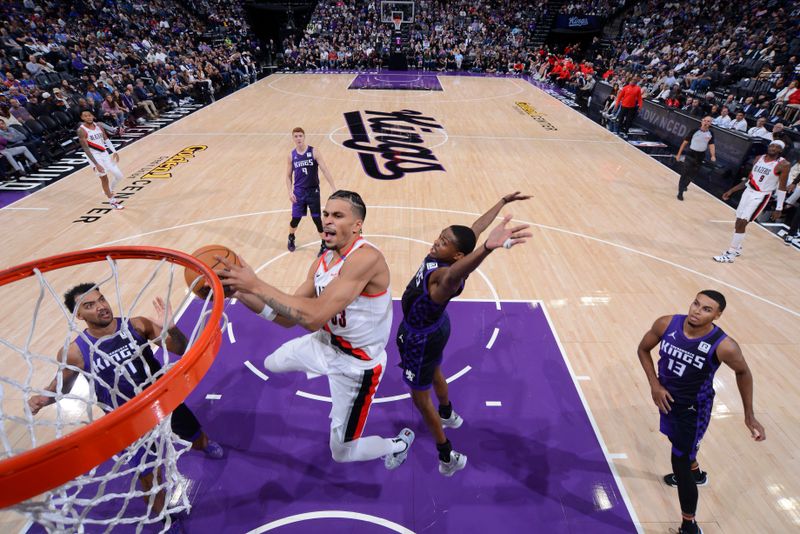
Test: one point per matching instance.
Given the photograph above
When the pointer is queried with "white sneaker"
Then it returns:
(724, 258)
(393, 461)
(454, 421)
(116, 204)
(457, 462)
(737, 252)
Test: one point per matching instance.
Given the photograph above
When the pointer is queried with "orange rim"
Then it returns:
(50, 465)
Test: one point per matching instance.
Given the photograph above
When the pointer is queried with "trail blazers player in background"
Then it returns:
(425, 329)
(770, 172)
(691, 350)
(101, 155)
(346, 304)
(302, 180)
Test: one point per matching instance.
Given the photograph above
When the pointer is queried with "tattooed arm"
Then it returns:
(309, 312)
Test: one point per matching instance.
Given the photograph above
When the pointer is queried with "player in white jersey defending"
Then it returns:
(770, 172)
(346, 304)
(101, 154)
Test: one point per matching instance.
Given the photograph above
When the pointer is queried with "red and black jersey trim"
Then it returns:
(362, 403)
(95, 146)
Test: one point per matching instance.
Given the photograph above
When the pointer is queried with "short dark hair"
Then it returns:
(355, 200)
(71, 296)
(716, 296)
(465, 238)
(86, 110)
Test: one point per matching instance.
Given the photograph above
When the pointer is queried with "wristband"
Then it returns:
(268, 313)
(779, 198)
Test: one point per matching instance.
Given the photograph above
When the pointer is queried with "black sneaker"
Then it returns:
(680, 195)
(290, 245)
(700, 478)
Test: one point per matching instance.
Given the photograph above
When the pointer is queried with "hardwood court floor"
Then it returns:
(612, 250)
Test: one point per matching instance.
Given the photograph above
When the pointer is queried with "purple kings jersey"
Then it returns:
(419, 309)
(305, 168)
(120, 363)
(686, 366)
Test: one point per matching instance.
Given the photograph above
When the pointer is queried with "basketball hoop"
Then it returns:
(50, 467)
(397, 20)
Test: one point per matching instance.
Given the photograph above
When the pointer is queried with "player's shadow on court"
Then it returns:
(542, 468)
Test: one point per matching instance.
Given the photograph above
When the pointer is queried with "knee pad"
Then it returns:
(294, 222)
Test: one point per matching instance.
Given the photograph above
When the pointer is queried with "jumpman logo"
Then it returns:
(672, 334)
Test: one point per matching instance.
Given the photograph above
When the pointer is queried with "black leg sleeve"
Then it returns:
(687, 487)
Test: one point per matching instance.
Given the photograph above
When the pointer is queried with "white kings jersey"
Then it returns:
(362, 328)
(95, 139)
(763, 176)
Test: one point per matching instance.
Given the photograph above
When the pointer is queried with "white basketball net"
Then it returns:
(111, 493)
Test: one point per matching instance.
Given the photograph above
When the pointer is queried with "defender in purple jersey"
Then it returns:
(423, 334)
(691, 349)
(302, 180)
(117, 355)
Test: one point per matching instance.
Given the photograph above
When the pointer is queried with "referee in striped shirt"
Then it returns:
(698, 141)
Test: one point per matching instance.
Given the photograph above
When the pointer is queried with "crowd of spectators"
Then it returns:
(737, 62)
(126, 60)
(599, 8)
(464, 35)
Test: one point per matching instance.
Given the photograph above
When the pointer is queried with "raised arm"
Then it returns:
(151, 329)
(483, 222)
(652, 337)
(310, 313)
(443, 283)
(731, 355)
(75, 359)
(324, 168)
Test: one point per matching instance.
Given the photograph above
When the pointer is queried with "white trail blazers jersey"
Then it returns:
(95, 139)
(763, 176)
(362, 328)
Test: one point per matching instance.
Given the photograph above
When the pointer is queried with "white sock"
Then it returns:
(736, 242)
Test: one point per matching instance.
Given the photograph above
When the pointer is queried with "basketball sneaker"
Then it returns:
(214, 450)
(700, 478)
(454, 421)
(725, 257)
(393, 461)
(457, 462)
(791, 239)
(290, 244)
(116, 204)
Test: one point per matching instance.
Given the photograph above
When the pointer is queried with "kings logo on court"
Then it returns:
(391, 144)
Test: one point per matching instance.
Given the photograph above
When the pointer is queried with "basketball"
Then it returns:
(208, 255)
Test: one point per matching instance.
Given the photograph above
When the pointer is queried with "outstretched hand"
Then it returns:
(516, 195)
(500, 236)
(237, 278)
(164, 316)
